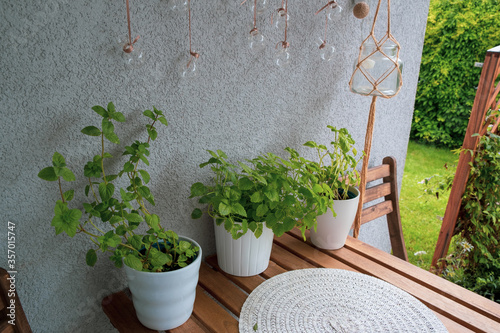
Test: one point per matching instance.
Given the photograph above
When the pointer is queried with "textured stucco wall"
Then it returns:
(59, 58)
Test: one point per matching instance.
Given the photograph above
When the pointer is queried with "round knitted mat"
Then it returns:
(333, 300)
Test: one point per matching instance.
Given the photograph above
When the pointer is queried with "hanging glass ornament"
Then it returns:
(326, 50)
(282, 18)
(260, 6)
(333, 10)
(132, 55)
(282, 55)
(187, 66)
(178, 5)
(256, 40)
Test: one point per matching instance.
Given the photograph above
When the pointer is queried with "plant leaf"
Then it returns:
(224, 209)
(118, 116)
(145, 176)
(48, 174)
(262, 210)
(100, 110)
(108, 129)
(106, 191)
(238, 209)
(91, 257)
(196, 214)
(91, 130)
(133, 262)
(58, 160)
(163, 120)
(149, 114)
(67, 174)
(198, 189)
(68, 195)
(133, 217)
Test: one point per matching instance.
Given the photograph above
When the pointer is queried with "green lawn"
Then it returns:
(421, 213)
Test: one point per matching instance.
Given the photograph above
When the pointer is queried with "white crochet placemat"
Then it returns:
(333, 300)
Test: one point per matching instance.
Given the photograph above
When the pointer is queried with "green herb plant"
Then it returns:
(112, 217)
(334, 171)
(266, 192)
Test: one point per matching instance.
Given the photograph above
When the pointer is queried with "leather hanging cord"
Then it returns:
(191, 52)
(366, 158)
(129, 47)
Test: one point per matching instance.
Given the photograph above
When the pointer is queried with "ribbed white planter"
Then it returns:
(164, 300)
(245, 256)
(331, 232)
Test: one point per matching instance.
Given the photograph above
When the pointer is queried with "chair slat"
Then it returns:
(376, 211)
(377, 172)
(376, 192)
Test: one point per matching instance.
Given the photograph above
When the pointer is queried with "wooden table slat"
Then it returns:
(211, 315)
(119, 308)
(217, 285)
(190, 326)
(306, 252)
(246, 283)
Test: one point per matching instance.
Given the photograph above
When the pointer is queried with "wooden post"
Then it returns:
(482, 103)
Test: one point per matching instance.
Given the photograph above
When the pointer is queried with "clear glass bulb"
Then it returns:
(333, 11)
(281, 18)
(326, 50)
(261, 6)
(256, 40)
(178, 5)
(132, 55)
(282, 56)
(188, 66)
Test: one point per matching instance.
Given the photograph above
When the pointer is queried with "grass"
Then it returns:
(421, 213)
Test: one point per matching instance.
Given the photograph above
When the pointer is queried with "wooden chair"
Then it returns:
(6, 293)
(388, 191)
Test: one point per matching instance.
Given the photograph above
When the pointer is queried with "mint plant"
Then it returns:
(112, 216)
(266, 192)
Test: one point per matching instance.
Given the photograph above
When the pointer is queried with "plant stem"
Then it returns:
(93, 192)
(102, 159)
(60, 189)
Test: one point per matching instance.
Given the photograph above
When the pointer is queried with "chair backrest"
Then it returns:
(388, 192)
(11, 311)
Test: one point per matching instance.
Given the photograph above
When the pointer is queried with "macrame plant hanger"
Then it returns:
(377, 74)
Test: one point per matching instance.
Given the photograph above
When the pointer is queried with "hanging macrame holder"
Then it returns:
(375, 92)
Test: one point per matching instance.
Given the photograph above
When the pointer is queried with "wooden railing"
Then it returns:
(486, 99)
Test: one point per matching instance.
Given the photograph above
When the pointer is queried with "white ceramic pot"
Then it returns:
(245, 256)
(331, 232)
(164, 300)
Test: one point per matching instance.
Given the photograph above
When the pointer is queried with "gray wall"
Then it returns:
(59, 58)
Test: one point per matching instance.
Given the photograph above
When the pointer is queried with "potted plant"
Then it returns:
(334, 176)
(250, 203)
(162, 268)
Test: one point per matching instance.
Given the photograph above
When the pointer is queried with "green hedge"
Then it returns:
(459, 32)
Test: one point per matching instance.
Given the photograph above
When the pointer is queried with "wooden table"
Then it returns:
(220, 297)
